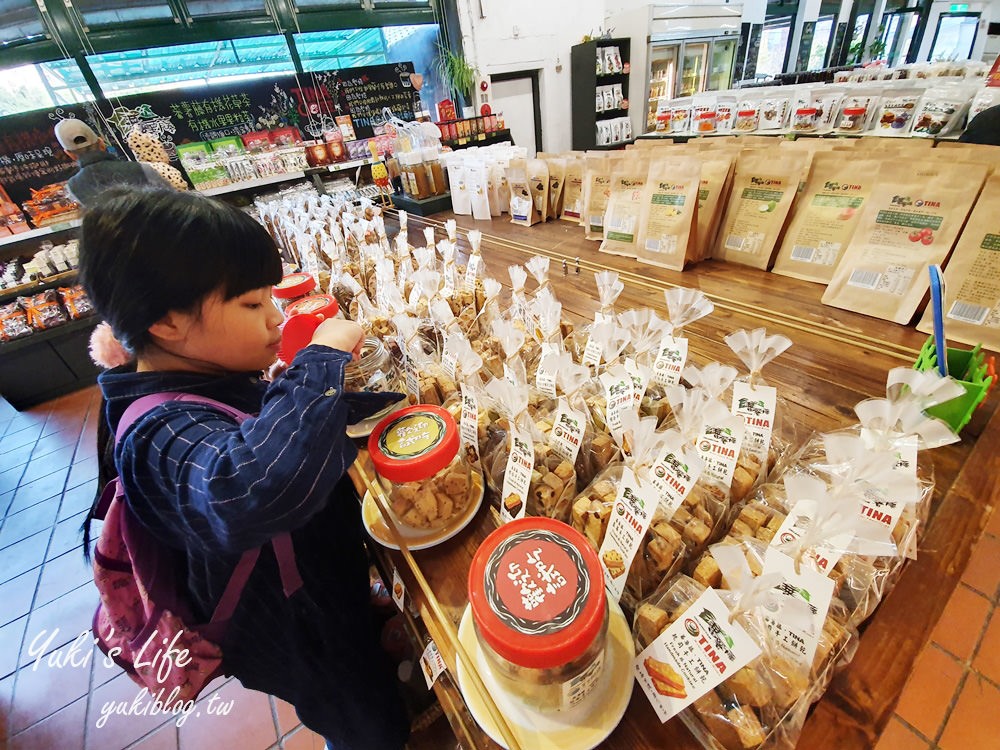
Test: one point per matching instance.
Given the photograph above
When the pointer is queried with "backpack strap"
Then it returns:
(291, 580)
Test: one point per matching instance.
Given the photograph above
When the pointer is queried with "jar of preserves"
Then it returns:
(536, 591)
(375, 371)
(429, 480)
(852, 119)
(804, 120)
(292, 288)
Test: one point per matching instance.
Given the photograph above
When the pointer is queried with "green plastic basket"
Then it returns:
(969, 362)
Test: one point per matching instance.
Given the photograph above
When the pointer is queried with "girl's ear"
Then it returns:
(173, 326)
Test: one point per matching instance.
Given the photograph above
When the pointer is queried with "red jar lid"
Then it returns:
(324, 305)
(413, 443)
(854, 111)
(705, 116)
(806, 112)
(747, 112)
(561, 614)
(294, 285)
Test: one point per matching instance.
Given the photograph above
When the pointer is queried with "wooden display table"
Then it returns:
(837, 360)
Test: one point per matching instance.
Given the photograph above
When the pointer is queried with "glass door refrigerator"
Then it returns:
(688, 67)
(662, 78)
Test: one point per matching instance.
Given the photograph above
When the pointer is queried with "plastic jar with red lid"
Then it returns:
(417, 454)
(540, 611)
(322, 305)
(852, 119)
(292, 288)
(746, 120)
(804, 119)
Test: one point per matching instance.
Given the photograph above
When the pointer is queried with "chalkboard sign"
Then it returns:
(30, 155)
(310, 102)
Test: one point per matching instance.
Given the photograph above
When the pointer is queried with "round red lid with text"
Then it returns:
(537, 593)
(294, 285)
(414, 443)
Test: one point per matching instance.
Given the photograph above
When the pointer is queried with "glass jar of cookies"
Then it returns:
(536, 591)
(375, 371)
(429, 480)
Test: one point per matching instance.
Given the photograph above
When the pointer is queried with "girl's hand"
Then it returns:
(344, 335)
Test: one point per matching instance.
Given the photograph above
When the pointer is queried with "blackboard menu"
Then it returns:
(30, 155)
(310, 103)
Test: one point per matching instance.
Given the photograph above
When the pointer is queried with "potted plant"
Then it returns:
(457, 74)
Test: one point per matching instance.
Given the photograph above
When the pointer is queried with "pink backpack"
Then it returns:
(143, 621)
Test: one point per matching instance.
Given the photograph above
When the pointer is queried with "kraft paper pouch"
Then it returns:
(572, 198)
(764, 186)
(972, 294)
(596, 191)
(826, 216)
(667, 228)
(538, 179)
(477, 178)
(911, 220)
(716, 176)
(621, 217)
(522, 206)
(461, 202)
(557, 178)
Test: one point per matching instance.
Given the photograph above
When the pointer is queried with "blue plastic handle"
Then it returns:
(937, 300)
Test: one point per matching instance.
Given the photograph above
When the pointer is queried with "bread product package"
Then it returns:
(764, 186)
(461, 201)
(941, 110)
(911, 220)
(538, 179)
(825, 217)
(557, 183)
(596, 191)
(896, 110)
(667, 223)
(621, 216)
(522, 205)
(572, 195)
(716, 177)
(477, 179)
(972, 295)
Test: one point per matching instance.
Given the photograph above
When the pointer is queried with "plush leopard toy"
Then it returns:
(148, 150)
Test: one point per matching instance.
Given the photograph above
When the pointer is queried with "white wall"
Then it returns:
(532, 34)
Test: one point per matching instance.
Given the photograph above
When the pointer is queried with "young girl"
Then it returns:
(185, 283)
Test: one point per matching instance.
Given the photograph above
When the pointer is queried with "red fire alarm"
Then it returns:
(484, 86)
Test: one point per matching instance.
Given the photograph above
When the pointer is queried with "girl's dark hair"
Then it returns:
(146, 252)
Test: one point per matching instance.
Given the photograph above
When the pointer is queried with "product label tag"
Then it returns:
(545, 376)
(797, 636)
(640, 379)
(412, 377)
(719, 447)
(472, 268)
(517, 477)
(592, 352)
(699, 651)
(448, 282)
(470, 421)
(756, 404)
(879, 516)
(432, 664)
(398, 589)
(618, 397)
(450, 364)
(630, 519)
(674, 475)
(578, 688)
(822, 558)
(670, 361)
(567, 432)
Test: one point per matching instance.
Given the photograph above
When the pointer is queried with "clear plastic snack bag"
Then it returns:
(609, 288)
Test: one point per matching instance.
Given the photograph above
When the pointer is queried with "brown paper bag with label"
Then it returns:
(972, 294)
(596, 191)
(522, 205)
(667, 223)
(825, 216)
(764, 185)
(911, 219)
(621, 216)
(713, 194)
(572, 197)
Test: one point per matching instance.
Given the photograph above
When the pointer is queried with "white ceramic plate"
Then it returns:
(584, 726)
(416, 539)
(364, 428)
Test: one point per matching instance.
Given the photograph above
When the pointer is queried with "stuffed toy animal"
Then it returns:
(149, 151)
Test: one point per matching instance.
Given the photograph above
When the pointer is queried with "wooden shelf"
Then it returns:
(250, 184)
(71, 326)
(34, 234)
(52, 282)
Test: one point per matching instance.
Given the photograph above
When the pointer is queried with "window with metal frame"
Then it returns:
(102, 13)
(42, 85)
(20, 22)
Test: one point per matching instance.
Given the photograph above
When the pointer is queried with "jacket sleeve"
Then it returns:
(154, 178)
(198, 479)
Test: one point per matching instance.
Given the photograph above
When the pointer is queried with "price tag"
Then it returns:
(630, 519)
(517, 477)
(618, 389)
(398, 589)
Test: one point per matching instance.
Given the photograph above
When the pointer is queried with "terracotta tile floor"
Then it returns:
(48, 476)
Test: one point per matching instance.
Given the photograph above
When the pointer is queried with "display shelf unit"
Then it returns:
(583, 89)
(250, 184)
(48, 363)
(482, 139)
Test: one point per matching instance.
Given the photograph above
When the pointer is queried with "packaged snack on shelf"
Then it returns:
(911, 220)
(76, 302)
(764, 187)
(572, 198)
(621, 216)
(522, 205)
(646, 335)
(538, 181)
(713, 194)
(704, 114)
(461, 363)
(774, 110)
(941, 110)
(667, 227)
(895, 113)
(43, 310)
(986, 98)
(680, 115)
(725, 114)
(972, 295)
(609, 288)
(769, 433)
(827, 214)
(596, 191)
(684, 306)
(13, 322)
(557, 180)
(855, 110)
